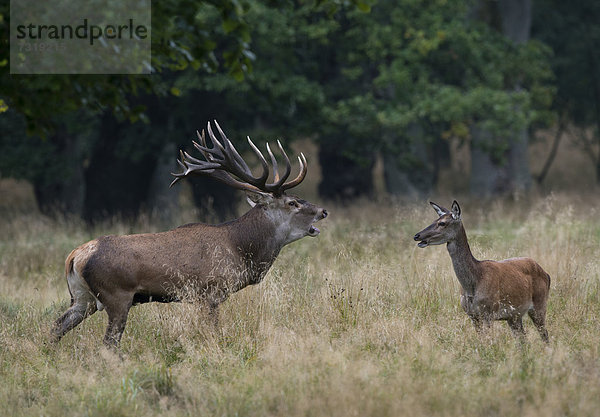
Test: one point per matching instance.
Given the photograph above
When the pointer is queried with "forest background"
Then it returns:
(390, 93)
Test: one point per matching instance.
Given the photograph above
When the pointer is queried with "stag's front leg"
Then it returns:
(477, 322)
(467, 302)
(213, 314)
(213, 299)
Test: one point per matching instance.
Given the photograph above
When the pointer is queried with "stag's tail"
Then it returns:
(69, 262)
(69, 270)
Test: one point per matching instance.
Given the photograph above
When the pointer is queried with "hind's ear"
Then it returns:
(455, 210)
(439, 209)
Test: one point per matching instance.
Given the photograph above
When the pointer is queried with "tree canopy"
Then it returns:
(400, 78)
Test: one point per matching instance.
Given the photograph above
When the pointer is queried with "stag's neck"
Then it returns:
(254, 235)
(466, 267)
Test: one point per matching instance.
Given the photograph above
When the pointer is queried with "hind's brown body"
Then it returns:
(490, 290)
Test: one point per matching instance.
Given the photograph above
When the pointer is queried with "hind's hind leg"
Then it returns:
(538, 316)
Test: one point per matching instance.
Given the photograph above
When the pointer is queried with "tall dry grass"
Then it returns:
(358, 321)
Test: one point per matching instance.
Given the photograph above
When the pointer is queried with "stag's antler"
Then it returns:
(224, 163)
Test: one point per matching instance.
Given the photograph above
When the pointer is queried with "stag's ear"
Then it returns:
(439, 209)
(257, 197)
(455, 210)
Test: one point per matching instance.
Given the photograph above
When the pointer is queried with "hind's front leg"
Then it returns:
(516, 325)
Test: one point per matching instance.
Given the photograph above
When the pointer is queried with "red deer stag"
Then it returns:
(491, 290)
(210, 262)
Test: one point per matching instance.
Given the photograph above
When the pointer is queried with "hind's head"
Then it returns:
(444, 229)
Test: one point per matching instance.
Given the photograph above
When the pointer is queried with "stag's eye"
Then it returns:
(442, 224)
(293, 204)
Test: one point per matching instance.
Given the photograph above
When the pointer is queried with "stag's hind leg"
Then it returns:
(71, 318)
(83, 305)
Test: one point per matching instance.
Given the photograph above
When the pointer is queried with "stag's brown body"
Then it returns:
(220, 258)
(196, 261)
(490, 290)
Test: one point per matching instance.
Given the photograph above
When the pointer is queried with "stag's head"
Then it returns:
(294, 218)
(445, 229)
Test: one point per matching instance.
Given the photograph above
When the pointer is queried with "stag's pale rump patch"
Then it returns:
(82, 295)
(80, 290)
(82, 254)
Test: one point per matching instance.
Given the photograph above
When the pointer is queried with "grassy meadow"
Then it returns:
(358, 321)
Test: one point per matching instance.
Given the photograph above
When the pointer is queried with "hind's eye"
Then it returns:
(442, 224)
(293, 204)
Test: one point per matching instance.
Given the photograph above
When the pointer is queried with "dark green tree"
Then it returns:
(401, 80)
(573, 32)
(412, 74)
(81, 155)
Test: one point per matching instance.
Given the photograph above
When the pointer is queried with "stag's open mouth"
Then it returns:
(423, 244)
(313, 231)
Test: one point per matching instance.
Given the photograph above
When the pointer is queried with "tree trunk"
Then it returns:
(344, 178)
(518, 161)
(63, 191)
(408, 169)
(216, 202)
(552, 155)
(488, 176)
(163, 201)
(515, 16)
(116, 184)
(511, 173)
